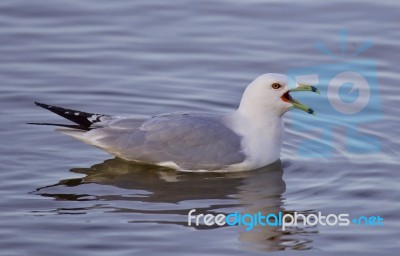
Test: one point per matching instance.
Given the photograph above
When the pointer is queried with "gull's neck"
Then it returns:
(262, 132)
(258, 112)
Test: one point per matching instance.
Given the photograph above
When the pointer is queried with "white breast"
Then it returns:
(262, 137)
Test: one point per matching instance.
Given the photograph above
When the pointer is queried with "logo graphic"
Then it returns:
(349, 100)
(280, 219)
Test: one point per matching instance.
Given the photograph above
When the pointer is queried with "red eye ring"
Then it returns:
(276, 86)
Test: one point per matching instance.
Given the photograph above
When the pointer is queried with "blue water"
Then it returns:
(61, 197)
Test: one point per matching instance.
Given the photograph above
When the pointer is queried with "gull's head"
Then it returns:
(269, 94)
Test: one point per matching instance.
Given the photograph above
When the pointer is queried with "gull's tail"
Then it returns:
(82, 120)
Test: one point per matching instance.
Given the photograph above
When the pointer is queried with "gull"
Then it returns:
(247, 138)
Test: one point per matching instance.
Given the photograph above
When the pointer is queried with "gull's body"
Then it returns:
(247, 138)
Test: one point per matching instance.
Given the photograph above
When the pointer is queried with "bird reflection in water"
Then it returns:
(166, 196)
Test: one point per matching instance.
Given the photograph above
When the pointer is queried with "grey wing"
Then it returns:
(193, 141)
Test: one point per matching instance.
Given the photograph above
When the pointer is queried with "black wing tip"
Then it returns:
(71, 126)
(82, 119)
(42, 105)
(41, 124)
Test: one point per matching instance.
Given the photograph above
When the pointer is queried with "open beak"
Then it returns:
(301, 87)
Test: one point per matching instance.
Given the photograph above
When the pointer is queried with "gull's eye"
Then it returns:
(276, 86)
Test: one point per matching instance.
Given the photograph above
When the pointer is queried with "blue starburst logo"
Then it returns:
(350, 101)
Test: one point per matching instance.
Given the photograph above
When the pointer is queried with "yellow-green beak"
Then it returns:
(296, 104)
